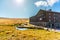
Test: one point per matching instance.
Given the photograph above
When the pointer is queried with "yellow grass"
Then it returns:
(10, 33)
(11, 21)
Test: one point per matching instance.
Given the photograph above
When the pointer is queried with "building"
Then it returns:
(46, 18)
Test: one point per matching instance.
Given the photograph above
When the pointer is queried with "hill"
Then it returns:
(10, 21)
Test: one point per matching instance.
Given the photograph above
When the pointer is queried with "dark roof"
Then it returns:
(49, 11)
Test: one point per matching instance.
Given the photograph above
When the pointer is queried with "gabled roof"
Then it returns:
(49, 11)
(44, 11)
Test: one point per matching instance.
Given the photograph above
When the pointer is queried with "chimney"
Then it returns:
(50, 9)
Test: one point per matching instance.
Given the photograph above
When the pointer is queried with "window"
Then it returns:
(49, 20)
(49, 13)
(54, 13)
(42, 15)
(49, 16)
(54, 18)
(40, 19)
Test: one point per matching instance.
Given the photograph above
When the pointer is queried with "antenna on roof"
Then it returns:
(50, 8)
(47, 4)
(45, 8)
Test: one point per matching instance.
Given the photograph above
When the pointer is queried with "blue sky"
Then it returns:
(23, 9)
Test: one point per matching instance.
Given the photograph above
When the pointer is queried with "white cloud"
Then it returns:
(46, 3)
(52, 2)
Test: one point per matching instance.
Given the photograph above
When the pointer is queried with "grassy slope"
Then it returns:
(10, 33)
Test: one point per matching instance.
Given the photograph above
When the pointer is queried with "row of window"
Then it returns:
(54, 17)
(53, 14)
(42, 16)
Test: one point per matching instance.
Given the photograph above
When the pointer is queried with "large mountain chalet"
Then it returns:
(46, 18)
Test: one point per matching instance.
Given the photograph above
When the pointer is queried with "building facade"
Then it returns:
(46, 18)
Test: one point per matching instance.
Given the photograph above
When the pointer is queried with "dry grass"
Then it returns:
(11, 21)
(10, 33)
